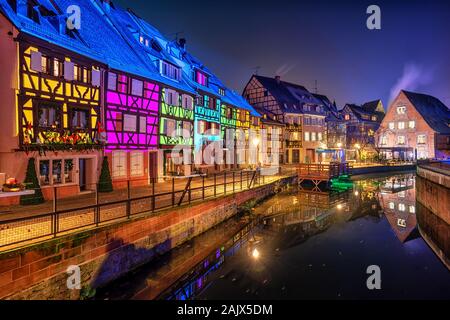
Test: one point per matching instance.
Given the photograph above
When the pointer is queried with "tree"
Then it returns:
(105, 181)
(32, 183)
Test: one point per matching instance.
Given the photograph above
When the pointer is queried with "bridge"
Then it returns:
(318, 173)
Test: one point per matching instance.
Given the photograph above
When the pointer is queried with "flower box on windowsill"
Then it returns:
(12, 189)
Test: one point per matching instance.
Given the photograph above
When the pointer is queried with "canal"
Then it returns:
(302, 244)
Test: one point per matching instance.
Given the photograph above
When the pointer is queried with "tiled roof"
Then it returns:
(433, 111)
(291, 97)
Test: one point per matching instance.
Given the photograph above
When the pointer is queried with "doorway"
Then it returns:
(82, 175)
(152, 165)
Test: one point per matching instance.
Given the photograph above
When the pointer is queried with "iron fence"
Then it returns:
(128, 199)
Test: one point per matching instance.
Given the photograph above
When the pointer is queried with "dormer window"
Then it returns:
(401, 110)
(201, 78)
(221, 91)
(141, 39)
(170, 71)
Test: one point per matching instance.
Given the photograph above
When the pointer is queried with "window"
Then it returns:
(401, 125)
(58, 171)
(137, 87)
(187, 102)
(401, 140)
(143, 124)
(199, 101)
(374, 118)
(383, 140)
(411, 124)
(57, 68)
(172, 97)
(168, 126)
(313, 136)
(44, 172)
(170, 71)
(401, 110)
(79, 119)
(214, 128)
(207, 102)
(391, 125)
(347, 117)
(401, 207)
(129, 122)
(412, 209)
(307, 121)
(187, 129)
(119, 164)
(391, 205)
(201, 127)
(229, 113)
(136, 164)
(421, 139)
(123, 84)
(201, 78)
(48, 116)
(307, 137)
(141, 39)
(319, 136)
(81, 74)
(45, 64)
(112, 81)
(221, 91)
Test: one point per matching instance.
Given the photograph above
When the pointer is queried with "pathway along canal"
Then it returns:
(305, 245)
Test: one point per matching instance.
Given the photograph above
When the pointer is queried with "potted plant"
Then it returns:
(12, 185)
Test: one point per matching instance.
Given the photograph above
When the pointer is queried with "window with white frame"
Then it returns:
(119, 164)
(383, 140)
(411, 124)
(401, 110)
(307, 136)
(391, 205)
(401, 140)
(412, 209)
(313, 136)
(129, 122)
(136, 164)
(401, 207)
(421, 139)
(401, 125)
(391, 125)
(170, 71)
(56, 171)
(319, 136)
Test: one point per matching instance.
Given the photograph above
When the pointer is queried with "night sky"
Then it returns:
(304, 41)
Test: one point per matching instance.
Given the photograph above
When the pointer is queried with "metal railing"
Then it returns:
(129, 198)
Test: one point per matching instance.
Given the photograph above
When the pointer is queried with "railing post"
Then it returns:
(234, 180)
(55, 199)
(241, 179)
(128, 199)
(215, 184)
(153, 195)
(189, 190)
(225, 182)
(203, 187)
(97, 207)
(173, 192)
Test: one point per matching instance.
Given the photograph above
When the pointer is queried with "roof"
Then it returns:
(118, 46)
(433, 111)
(373, 106)
(290, 96)
(360, 111)
(110, 48)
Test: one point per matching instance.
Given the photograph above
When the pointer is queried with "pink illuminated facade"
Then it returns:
(131, 125)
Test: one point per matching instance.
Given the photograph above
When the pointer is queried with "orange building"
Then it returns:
(416, 126)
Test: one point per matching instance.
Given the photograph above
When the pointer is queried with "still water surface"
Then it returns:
(311, 245)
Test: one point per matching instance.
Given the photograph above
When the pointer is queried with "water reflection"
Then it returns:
(253, 265)
(306, 245)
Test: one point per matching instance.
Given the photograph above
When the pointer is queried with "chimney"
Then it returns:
(278, 79)
(182, 43)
